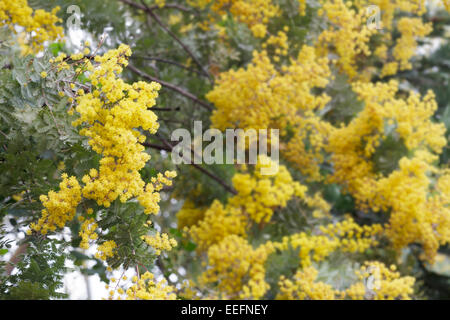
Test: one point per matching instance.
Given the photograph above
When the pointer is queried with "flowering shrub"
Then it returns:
(358, 207)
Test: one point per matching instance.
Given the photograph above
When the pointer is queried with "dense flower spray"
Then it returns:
(38, 25)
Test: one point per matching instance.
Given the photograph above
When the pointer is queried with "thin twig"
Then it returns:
(156, 7)
(160, 265)
(166, 109)
(102, 39)
(156, 146)
(200, 168)
(150, 13)
(51, 112)
(170, 121)
(16, 258)
(174, 36)
(217, 179)
(182, 66)
(171, 86)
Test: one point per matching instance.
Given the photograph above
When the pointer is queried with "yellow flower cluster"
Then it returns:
(160, 3)
(260, 96)
(237, 268)
(189, 215)
(386, 283)
(354, 144)
(18, 196)
(256, 199)
(346, 236)
(268, 94)
(305, 287)
(377, 283)
(446, 4)
(306, 149)
(144, 287)
(60, 62)
(175, 19)
(218, 223)
(60, 206)
(254, 13)
(302, 7)
(420, 211)
(87, 231)
(39, 25)
(258, 195)
(279, 42)
(415, 216)
(187, 290)
(348, 229)
(147, 288)
(405, 47)
(321, 208)
(222, 230)
(160, 242)
(110, 116)
(348, 34)
(149, 199)
(106, 250)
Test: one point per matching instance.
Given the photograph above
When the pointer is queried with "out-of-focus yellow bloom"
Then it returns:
(39, 25)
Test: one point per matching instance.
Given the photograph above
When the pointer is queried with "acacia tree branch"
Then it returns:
(168, 147)
(170, 62)
(174, 36)
(16, 258)
(134, 4)
(215, 178)
(156, 146)
(155, 7)
(174, 6)
(171, 86)
(154, 16)
(166, 109)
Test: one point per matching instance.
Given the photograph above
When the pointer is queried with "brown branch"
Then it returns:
(16, 258)
(170, 86)
(174, 36)
(171, 121)
(156, 7)
(160, 266)
(134, 4)
(200, 168)
(154, 16)
(217, 179)
(157, 147)
(166, 109)
(182, 66)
